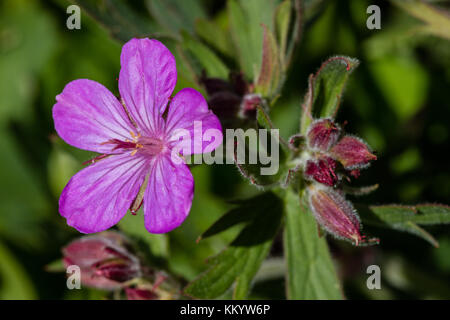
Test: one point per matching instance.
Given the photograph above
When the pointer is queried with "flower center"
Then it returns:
(146, 145)
(150, 146)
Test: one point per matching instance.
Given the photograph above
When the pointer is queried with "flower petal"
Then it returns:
(146, 81)
(168, 196)
(97, 197)
(189, 111)
(87, 114)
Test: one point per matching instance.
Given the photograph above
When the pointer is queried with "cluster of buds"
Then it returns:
(107, 262)
(329, 157)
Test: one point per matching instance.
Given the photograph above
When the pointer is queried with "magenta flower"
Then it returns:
(135, 137)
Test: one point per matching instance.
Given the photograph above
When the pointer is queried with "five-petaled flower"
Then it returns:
(135, 137)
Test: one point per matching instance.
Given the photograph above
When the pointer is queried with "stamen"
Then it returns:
(96, 159)
(135, 136)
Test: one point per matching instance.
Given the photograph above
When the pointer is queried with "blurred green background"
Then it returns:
(397, 100)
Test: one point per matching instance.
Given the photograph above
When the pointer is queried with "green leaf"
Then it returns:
(325, 89)
(133, 225)
(240, 261)
(214, 35)
(204, 57)
(406, 218)
(176, 15)
(268, 174)
(437, 21)
(311, 273)
(14, 282)
(245, 212)
(246, 18)
(120, 20)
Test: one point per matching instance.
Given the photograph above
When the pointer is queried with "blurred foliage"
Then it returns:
(397, 100)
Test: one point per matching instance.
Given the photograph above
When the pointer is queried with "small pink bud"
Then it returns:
(322, 134)
(335, 214)
(104, 260)
(140, 294)
(322, 170)
(352, 153)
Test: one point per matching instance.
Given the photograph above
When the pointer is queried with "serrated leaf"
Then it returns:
(240, 261)
(204, 57)
(406, 218)
(311, 273)
(121, 22)
(326, 88)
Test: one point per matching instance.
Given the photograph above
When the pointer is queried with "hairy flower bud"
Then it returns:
(104, 260)
(322, 170)
(322, 134)
(334, 213)
(352, 153)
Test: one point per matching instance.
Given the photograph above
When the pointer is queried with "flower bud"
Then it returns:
(335, 214)
(352, 153)
(104, 260)
(322, 134)
(322, 170)
(249, 104)
(140, 294)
